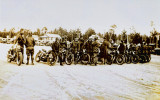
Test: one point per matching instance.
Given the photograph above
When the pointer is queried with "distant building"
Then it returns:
(49, 37)
(36, 37)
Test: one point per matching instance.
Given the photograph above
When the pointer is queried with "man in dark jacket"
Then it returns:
(30, 43)
(76, 48)
(88, 46)
(55, 46)
(121, 48)
(95, 45)
(105, 48)
(63, 45)
(95, 49)
(20, 41)
(81, 41)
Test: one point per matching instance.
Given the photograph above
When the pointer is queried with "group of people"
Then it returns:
(92, 46)
(29, 43)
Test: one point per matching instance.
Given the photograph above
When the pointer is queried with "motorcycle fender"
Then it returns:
(49, 51)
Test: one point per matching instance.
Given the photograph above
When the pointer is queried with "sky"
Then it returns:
(82, 14)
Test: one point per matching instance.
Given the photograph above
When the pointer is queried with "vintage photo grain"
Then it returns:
(79, 49)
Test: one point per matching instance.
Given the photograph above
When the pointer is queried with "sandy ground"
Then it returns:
(80, 82)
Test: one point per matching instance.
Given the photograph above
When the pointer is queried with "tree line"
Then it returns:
(134, 37)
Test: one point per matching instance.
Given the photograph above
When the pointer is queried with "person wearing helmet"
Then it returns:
(95, 49)
(62, 46)
(20, 41)
(81, 41)
(121, 48)
(88, 46)
(106, 45)
(75, 47)
(30, 43)
(143, 47)
(63, 43)
(55, 46)
(95, 45)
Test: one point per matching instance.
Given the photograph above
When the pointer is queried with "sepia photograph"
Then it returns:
(79, 49)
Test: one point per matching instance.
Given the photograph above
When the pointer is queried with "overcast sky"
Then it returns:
(83, 14)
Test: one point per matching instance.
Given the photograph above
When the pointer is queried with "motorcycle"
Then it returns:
(142, 55)
(15, 54)
(148, 54)
(115, 57)
(52, 58)
(82, 57)
(127, 57)
(134, 57)
(85, 58)
(49, 57)
(68, 56)
(94, 57)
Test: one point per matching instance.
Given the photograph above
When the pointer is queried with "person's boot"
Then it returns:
(27, 61)
(22, 58)
(32, 60)
(61, 63)
(32, 63)
(22, 62)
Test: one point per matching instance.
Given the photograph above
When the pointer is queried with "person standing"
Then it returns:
(121, 48)
(88, 47)
(81, 42)
(20, 41)
(55, 46)
(30, 43)
(76, 48)
(95, 50)
(63, 46)
(106, 45)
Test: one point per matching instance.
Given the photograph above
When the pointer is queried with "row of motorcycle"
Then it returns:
(83, 57)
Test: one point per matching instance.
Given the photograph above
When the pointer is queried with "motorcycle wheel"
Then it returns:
(85, 59)
(119, 59)
(69, 59)
(109, 59)
(135, 59)
(19, 58)
(76, 59)
(128, 59)
(148, 58)
(52, 59)
(37, 58)
(142, 59)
